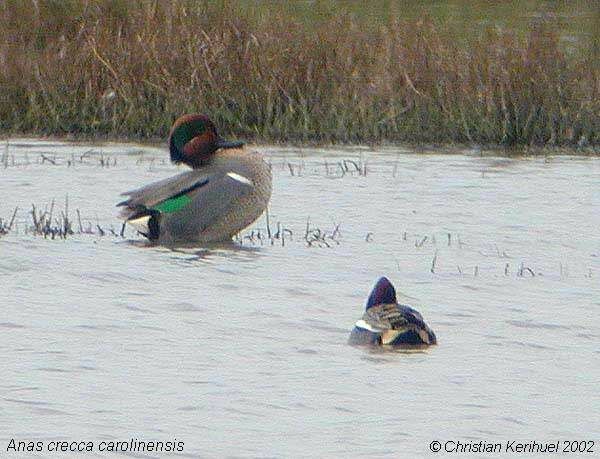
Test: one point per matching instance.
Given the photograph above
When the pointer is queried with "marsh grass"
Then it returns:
(45, 223)
(50, 222)
(56, 224)
(7, 226)
(128, 69)
(89, 158)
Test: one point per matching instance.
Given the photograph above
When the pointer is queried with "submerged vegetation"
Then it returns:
(128, 69)
(52, 223)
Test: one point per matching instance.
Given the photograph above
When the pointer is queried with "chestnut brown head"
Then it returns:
(194, 138)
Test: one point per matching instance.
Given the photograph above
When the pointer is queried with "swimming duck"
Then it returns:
(386, 322)
(227, 189)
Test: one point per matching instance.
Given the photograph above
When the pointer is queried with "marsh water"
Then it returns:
(241, 350)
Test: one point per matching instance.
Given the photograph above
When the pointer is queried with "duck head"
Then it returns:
(383, 293)
(194, 138)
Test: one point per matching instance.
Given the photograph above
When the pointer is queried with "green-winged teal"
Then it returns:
(385, 322)
(227, 189)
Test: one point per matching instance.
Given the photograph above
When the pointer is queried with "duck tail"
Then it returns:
(144, 220)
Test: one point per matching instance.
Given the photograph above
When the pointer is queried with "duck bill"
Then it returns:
(222, 143)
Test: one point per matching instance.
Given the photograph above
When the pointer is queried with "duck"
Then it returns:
(388, 323)
(226, 190)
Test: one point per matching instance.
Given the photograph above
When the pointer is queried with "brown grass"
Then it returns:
(128, 69)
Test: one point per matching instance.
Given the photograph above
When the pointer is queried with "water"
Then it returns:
(241, 351)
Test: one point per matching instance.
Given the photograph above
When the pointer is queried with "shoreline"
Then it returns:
(379, 147)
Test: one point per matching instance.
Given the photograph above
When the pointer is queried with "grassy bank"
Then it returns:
(128, 69)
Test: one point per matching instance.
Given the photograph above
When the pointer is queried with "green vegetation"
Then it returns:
(269, 71)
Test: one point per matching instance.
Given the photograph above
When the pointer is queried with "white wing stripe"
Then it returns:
(362, 324)
(240, 178)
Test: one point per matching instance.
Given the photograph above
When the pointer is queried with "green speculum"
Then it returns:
(173, 205)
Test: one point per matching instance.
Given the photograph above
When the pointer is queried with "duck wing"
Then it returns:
(387, 317)
(395, 319)
(160, 192)
(204, 194)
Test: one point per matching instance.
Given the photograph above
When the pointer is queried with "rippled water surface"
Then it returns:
(241, 350)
